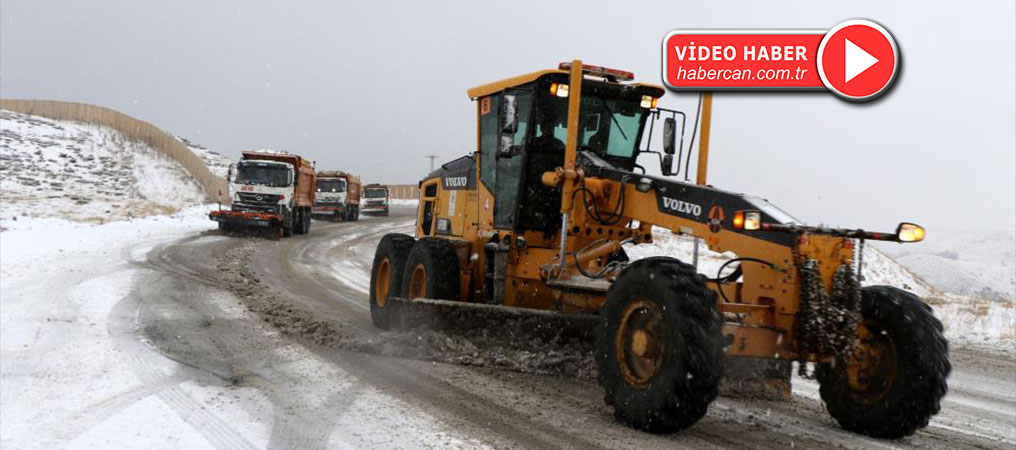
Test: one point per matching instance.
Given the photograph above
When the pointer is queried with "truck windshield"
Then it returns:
(609, 126)
(331, 185)
(375, 193)
(263, 173)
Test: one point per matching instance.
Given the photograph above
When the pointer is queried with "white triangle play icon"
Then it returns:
(855, 60)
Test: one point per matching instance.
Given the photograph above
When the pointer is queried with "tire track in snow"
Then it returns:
(124, 324)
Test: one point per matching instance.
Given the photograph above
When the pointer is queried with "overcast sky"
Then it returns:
(372, 87)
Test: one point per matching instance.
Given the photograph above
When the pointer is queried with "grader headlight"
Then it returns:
(752, 220)
(560, 90)
(910, 232)
(648, 101)
(747, 220)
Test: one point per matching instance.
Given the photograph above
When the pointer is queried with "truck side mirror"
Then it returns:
(669, 135)
(666, 165)
(229, 174)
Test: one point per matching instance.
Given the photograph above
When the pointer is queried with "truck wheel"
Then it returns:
(287, 227)
(432, 270)
(299, 223)
(306, 220)
(892, 383)
(386, 276)
(659, 346)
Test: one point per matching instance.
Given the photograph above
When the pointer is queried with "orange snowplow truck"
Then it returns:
(536, 222)
(269, 190)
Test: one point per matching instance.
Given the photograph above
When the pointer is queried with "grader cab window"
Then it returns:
(509, 164)
(489, 133)
(426, 218)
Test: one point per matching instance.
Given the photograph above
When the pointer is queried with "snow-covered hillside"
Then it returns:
(217, 163)
(969, 319)
(977, 263)
(84, 173)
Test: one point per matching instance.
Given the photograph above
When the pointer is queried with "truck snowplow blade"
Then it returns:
(250, 219)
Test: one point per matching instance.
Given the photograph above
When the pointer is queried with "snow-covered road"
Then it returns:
(125, 336)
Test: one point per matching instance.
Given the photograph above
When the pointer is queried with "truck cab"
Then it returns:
(337, 196)
(262, 186)
(376, 200)
(269, 189)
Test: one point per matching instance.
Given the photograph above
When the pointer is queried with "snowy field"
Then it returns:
(84, 173)
(979, 263)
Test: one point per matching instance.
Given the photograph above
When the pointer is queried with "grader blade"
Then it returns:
(516, 326)
(549, 331)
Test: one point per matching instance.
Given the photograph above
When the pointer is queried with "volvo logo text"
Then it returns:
(454, 182)
(675, 205)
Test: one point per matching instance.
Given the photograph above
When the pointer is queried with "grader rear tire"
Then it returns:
(432, 271)
(659, 346)
(386, 276)
(893, 382)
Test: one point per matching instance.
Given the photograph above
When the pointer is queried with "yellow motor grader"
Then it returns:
(537, 219)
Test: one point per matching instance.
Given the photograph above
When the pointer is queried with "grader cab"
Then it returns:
(537, 219)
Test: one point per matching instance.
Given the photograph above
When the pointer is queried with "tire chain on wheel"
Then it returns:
(827, 323)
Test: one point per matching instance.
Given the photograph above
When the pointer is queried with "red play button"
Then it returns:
(858, 60)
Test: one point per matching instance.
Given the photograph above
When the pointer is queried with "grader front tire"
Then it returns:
(386, 276)
(892, 383)
(659, 346)
(432, 271)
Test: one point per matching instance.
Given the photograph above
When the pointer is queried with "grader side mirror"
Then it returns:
(509, 115)
(506, 147)
(669, 135)
(666, 165)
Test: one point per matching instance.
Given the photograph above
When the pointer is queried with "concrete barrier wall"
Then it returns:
(134, 129)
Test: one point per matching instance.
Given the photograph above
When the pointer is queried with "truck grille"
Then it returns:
(251, 198)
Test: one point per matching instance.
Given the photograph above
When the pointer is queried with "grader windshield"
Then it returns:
(608, 126)
(610, 121)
